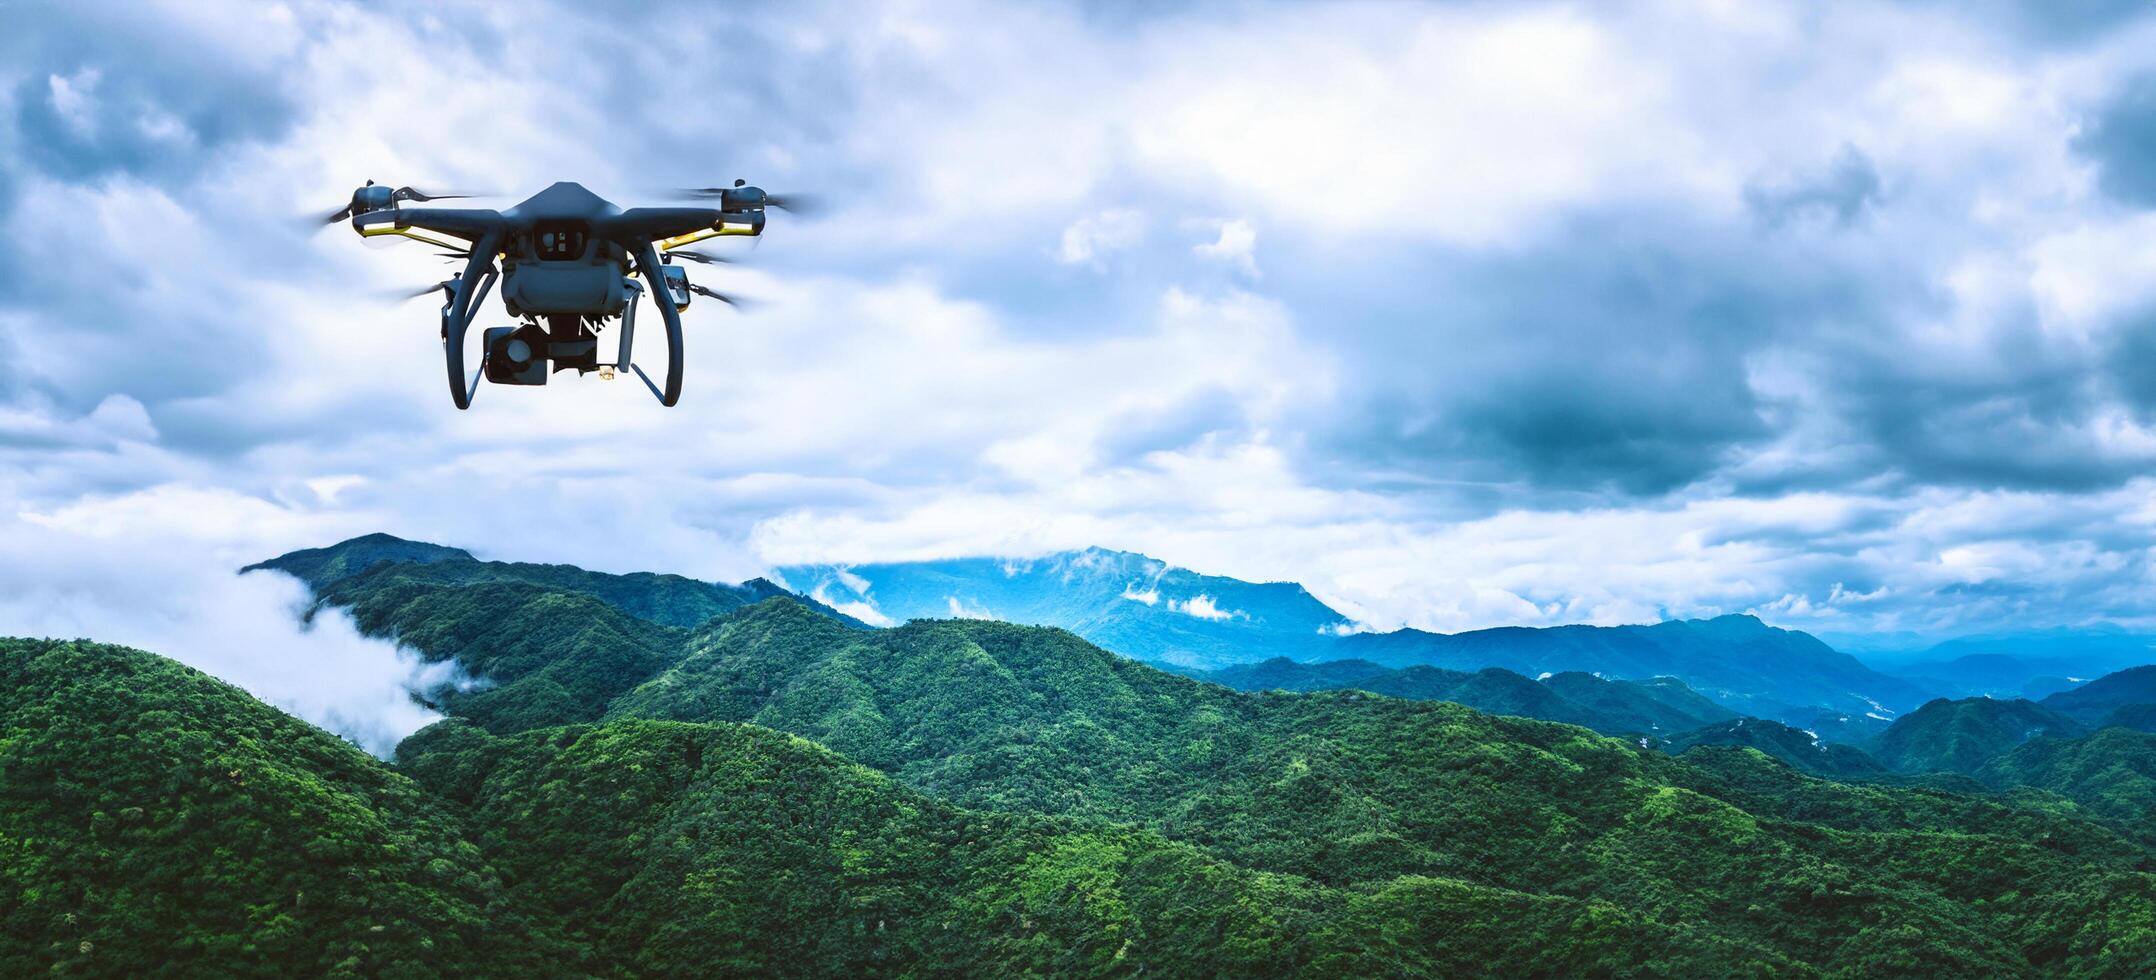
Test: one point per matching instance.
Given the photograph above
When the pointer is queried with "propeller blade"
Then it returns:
(734, 301)
(800, 204)
(698, 257)
(407, 295)
(805, 205)
(415, 194)
(341, 214)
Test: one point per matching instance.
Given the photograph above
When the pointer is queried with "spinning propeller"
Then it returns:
(407, 295)
(734, 301)
(741, 197)
(374, 198)
(698, 257)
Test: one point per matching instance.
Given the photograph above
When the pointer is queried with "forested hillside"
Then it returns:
(1657, 706)
(774, 791)
(1961, 736)
(2094, 702)
(1740, 662)
(675, 849)
(152, 814)
(159, 821)
(1349, 790)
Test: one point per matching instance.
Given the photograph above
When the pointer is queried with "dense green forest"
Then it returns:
(150, 812)
(1661, 705)
(158, 820)
(776, 791)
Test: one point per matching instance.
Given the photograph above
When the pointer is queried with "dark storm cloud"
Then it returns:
(2120, 138)
(1613, 357)
(1622, 359)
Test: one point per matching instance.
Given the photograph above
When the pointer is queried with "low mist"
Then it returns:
(186, 601)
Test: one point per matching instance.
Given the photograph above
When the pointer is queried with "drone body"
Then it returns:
(564, 260)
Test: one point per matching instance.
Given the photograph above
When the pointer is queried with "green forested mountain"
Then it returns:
(671, 600)
(543, 657)
(1658, 706)
(774, 792)
(151, 814)
(319, 567)
(1144, 608)
(2112, 771)
(1353, 791)
(1797, 748)
(1282, 674)
(1961, 736)
(1654, 704)
(2109, 769)
(158, 821)
(2092, 702)
(673, 849)
(1738, 661)
(2139, 717)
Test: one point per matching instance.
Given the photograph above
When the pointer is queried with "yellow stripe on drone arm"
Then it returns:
(379, 230)
(701, 234)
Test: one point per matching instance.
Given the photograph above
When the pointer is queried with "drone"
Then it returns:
(564, 259)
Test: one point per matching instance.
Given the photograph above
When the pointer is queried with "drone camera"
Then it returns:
(516, 355)
(677, 285)
(556, 241)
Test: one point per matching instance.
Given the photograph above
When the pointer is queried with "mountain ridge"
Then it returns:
(1140, 607)
(1609, 707)
(1429, 819)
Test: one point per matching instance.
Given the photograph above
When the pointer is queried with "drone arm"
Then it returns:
(647, 260)
(457, 316)
(672, 224)
(377, 231)
(470, 224)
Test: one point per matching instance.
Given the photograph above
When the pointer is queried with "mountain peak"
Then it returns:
(1130, 603)
(320, 567)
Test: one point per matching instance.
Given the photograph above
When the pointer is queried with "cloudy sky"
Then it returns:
(1461, 314)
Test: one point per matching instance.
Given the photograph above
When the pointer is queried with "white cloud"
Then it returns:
(1148, 596)
(852, 581)
(1089, 240)
(183, 599)
(1237, 246)
(960, 610)
(75, 99)
(1201, 607)
(863, 609)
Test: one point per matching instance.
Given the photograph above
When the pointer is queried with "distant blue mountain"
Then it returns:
(1134, 605)
(1144, 608)
(1737, 660)
(2024, 664)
